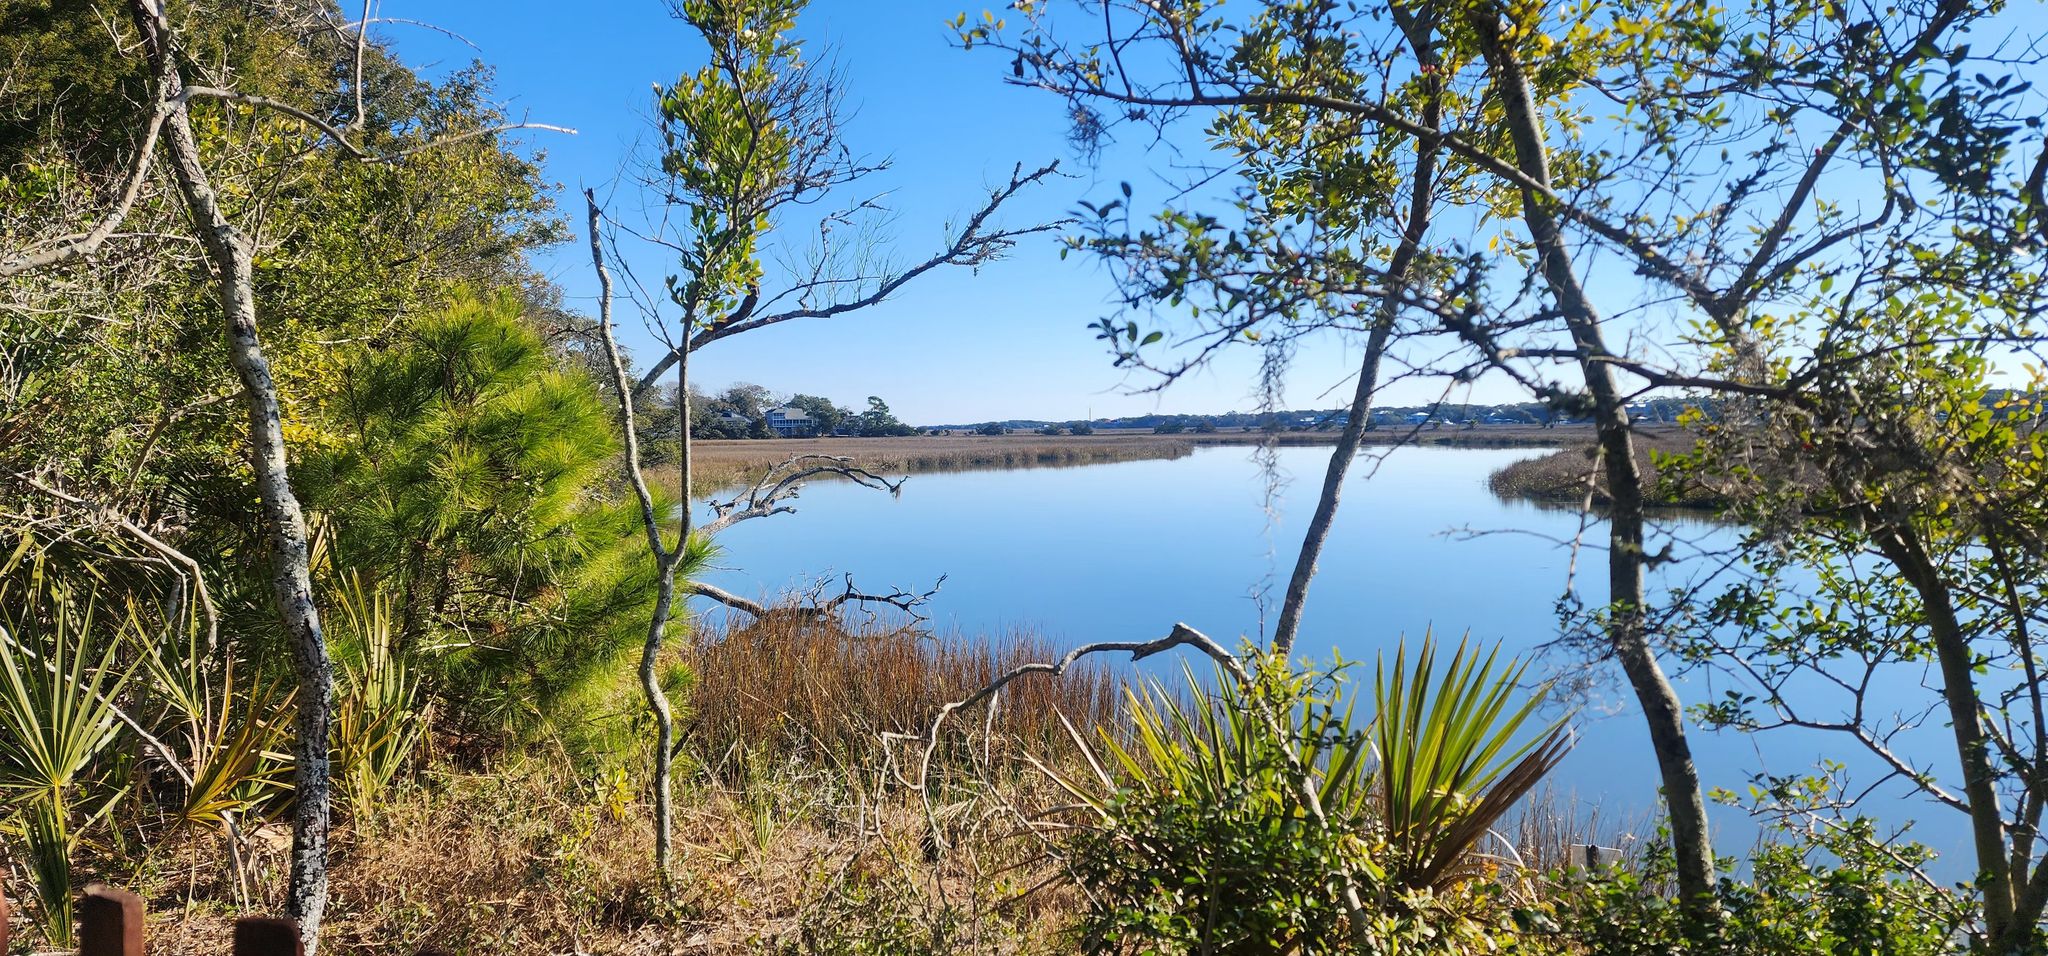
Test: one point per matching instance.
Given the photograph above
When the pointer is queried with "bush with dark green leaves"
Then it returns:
(1252, 813)
(1835, 891)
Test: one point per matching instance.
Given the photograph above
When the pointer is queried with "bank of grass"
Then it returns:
(1566, 477)
(723, 464)
(799, 689)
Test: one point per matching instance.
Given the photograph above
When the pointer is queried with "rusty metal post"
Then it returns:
(110, 922)
(267, 936)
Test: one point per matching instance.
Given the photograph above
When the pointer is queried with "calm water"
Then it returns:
(1122, 551)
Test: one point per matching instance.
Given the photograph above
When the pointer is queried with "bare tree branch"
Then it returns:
(771, 492)
(974, 245)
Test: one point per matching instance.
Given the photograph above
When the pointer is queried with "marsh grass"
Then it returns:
(1538, 835)
(718, 465)
(803, 689)
(1562, 477)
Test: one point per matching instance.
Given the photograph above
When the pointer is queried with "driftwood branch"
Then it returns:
(727, 598)
(1181, 636)
(772, 492)
(816, 607)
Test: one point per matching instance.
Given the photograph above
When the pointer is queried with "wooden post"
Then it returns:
(267, 936)
(110, 922)
(6, 922)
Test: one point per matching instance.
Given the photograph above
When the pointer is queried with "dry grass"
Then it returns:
(534, 859)
(722, 464)
(1562, 476)
(795, 833)
(804, 690)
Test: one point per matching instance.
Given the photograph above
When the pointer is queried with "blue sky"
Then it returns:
(1009, 342)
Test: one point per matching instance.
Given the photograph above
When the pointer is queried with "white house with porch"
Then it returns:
(791, 422)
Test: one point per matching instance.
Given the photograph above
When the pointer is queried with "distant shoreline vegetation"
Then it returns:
(1394, 419)
(719, 465)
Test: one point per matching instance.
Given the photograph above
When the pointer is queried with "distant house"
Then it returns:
(791, 422)
(733, 419)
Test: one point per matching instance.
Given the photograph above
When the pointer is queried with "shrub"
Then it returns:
(1832, 891)
(1205, 840)
(469, 480)
(1251, 813)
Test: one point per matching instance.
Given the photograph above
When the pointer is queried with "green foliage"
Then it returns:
(60, 672)
(733, 144)
(1455, 753)
(1239, 814)
(1202, 837)
(1826, 891)
(879, 422)
(378, 719)
(468, 487)
(234, 729)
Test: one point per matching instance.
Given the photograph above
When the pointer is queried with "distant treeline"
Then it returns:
(1310, 419)
(1653, 411)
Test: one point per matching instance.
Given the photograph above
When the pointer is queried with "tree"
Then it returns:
(1705, 183)
(229, 253)
(1909, 540)
(990, 428)
(879, 422)
(465, 488)
(749, 139)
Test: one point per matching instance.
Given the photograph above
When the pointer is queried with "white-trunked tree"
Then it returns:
(751, 145)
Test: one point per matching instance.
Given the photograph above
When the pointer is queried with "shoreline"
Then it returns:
(723, 463)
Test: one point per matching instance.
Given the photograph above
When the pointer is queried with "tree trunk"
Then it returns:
(665, 560)
(1423, 184)
(1333, 486)
(291, 577)
(1626, 633)
(664, 719)
(1957, 661)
